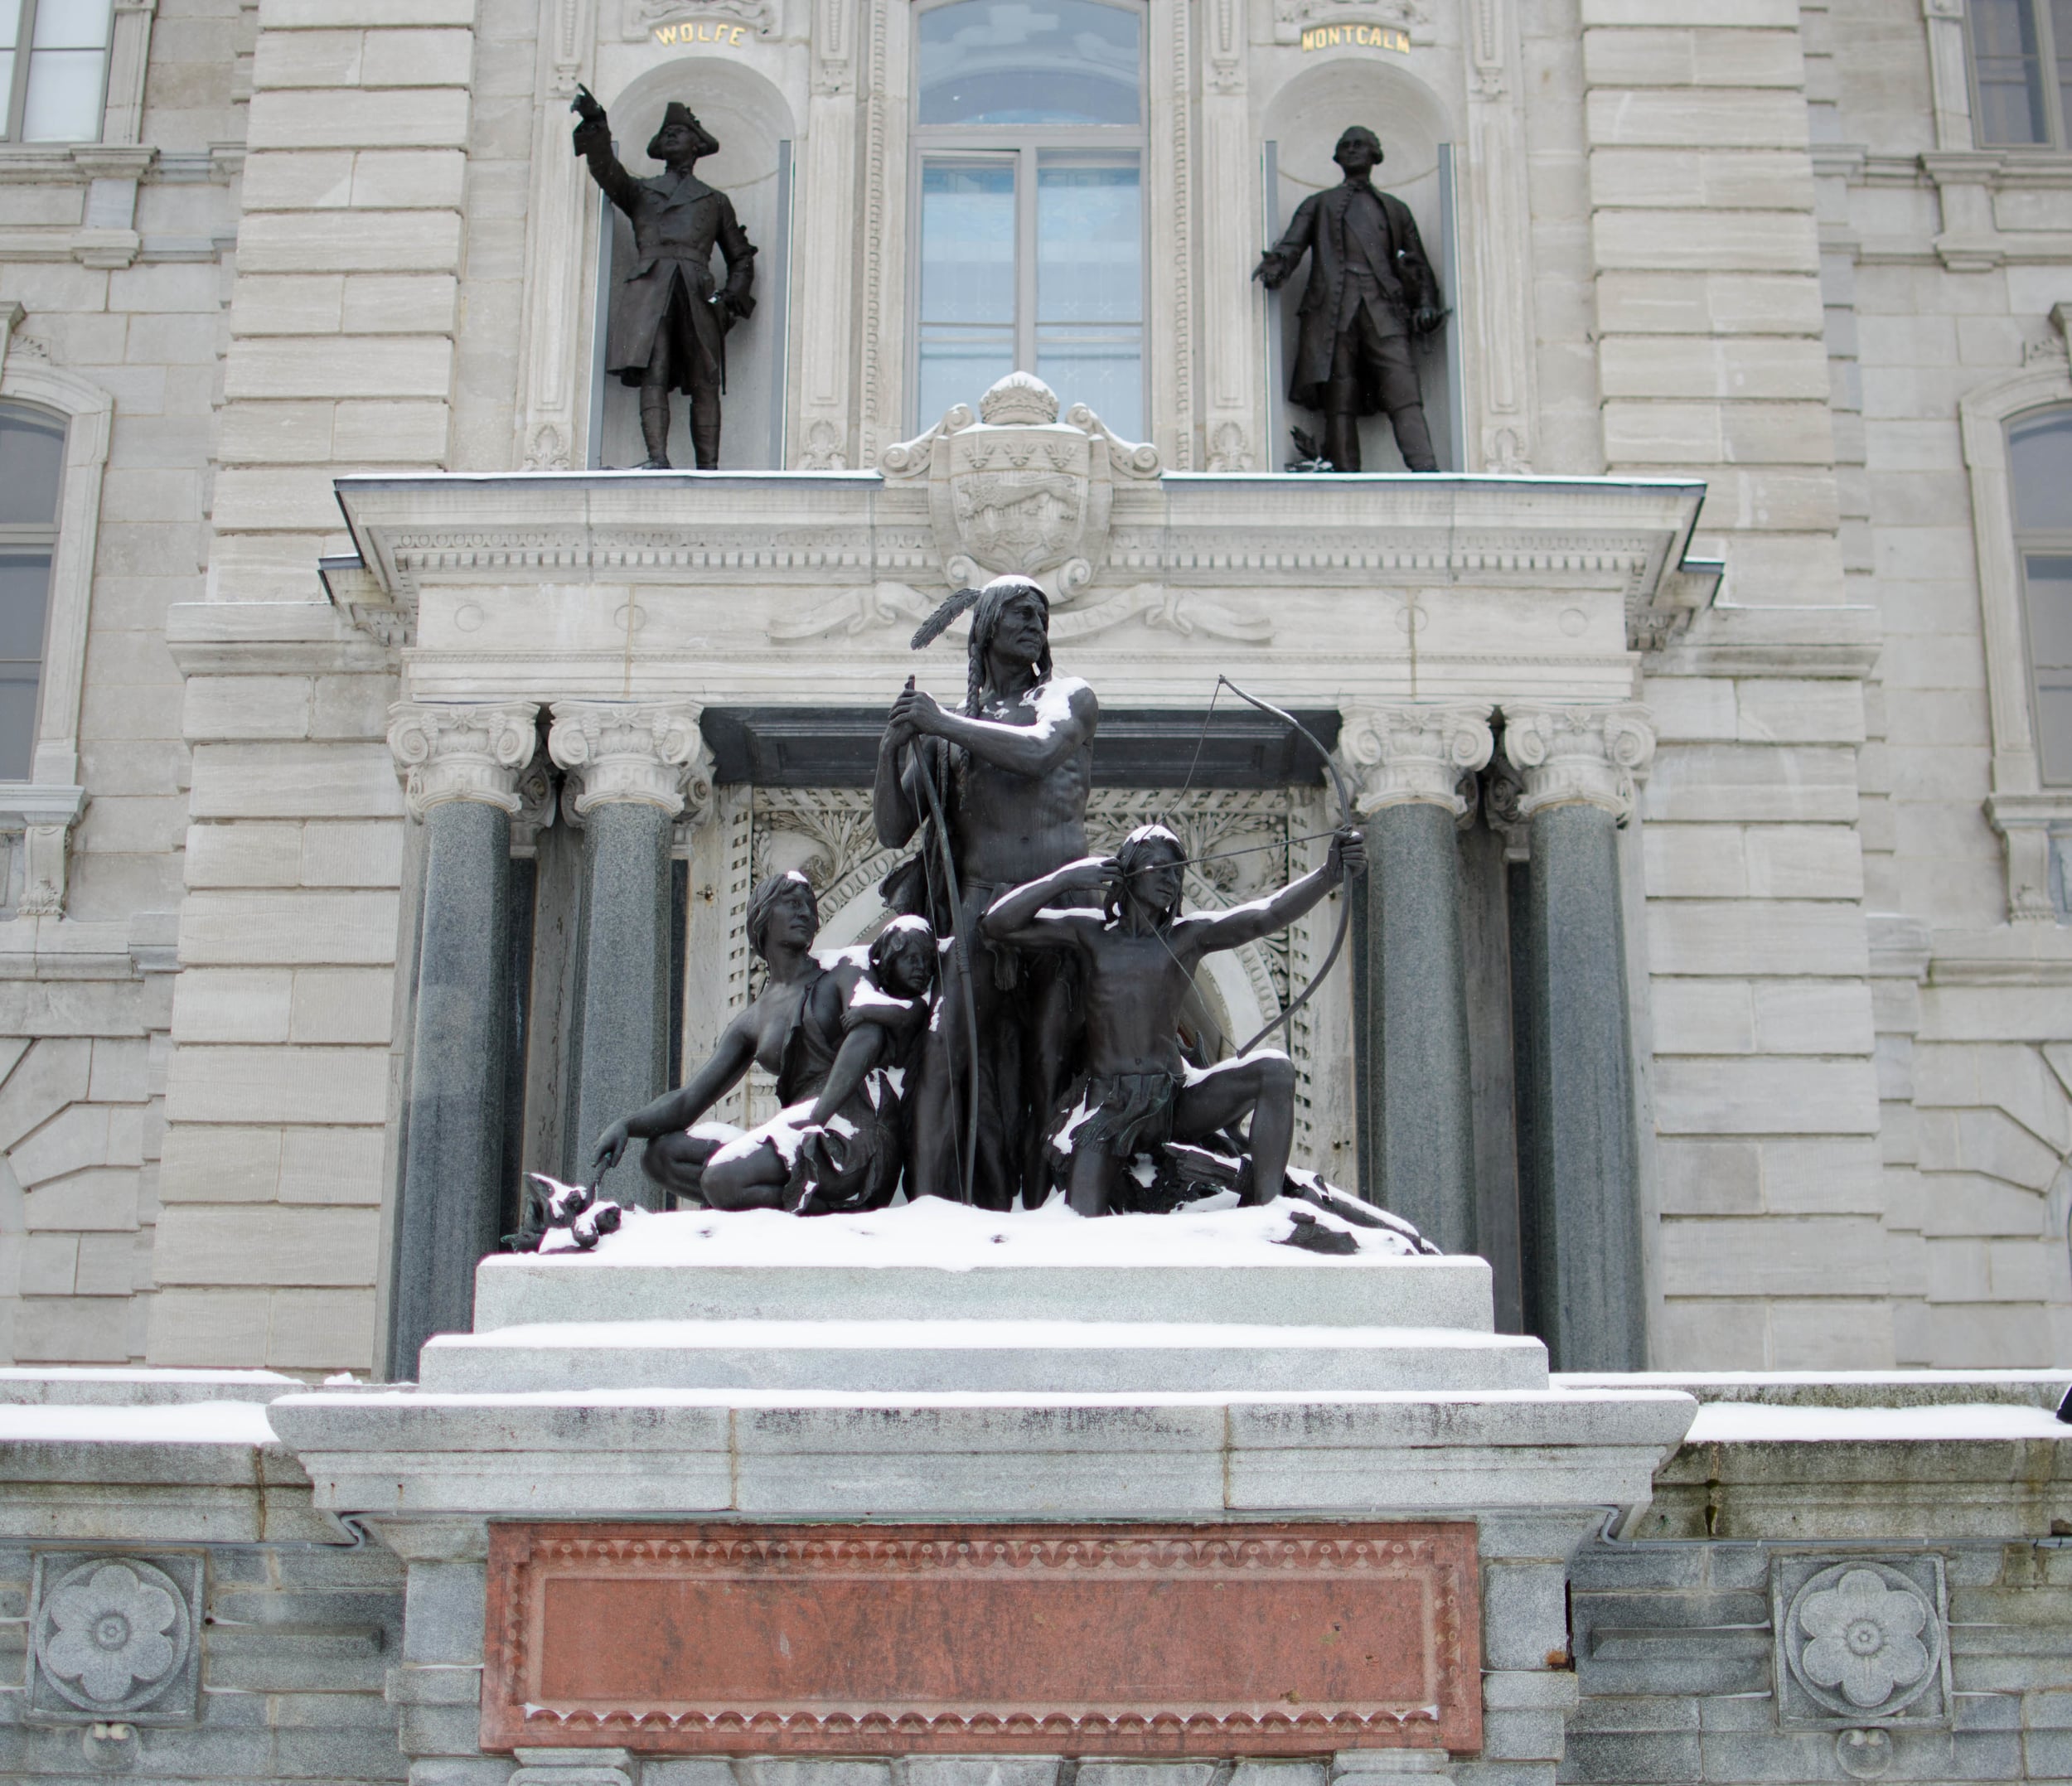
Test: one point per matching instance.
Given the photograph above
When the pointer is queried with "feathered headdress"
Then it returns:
(944, 617)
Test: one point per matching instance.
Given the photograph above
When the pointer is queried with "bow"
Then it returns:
(1346, 818)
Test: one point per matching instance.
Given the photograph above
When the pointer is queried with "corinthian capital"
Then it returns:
(1414, 752)
(466, 751)
(652, 754)
(1579, 755)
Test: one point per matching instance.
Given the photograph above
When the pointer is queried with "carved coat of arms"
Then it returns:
(1013, 489)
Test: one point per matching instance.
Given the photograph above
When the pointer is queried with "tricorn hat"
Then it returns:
(678, 113)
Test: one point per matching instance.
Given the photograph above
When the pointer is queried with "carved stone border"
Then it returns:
(1430, 1568)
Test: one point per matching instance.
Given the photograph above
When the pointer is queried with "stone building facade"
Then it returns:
(1752, 403)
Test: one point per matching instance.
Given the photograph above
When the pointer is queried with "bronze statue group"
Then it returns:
(1023, 1024)
(1019, 1026)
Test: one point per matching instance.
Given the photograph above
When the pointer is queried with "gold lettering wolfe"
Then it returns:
(731, 36)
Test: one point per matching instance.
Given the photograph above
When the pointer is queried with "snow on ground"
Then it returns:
(956, 1238)
(1752, 1423)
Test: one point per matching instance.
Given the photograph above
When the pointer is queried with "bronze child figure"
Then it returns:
(1139, 955)
(1370, 287)
(668, 324)
(838, 1033)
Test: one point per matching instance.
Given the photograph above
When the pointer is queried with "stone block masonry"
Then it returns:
(356, 148)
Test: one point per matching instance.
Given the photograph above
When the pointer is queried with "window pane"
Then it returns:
(957, 365)
(31, 459)
(1103, 369)
(2049, 577)
(10, 22)
(2039, 458)
(25, 579)
(1089, 242)
(1028, 62)
(71, 24)
(64, 96)
(2009, 65)
(967, 242)
(1090, 287)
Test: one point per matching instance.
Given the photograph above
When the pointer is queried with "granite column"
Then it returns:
(633, 768)
(1409, 764)
(1584, 1271)
(460, 765)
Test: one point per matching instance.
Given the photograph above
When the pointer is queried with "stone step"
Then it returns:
(1036, 1356)
(1454, 1293)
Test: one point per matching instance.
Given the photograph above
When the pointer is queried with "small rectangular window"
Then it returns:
(25, 595)
(2021, 73)
(2047, 578)
(54, 68)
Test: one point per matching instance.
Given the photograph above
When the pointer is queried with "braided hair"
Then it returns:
(985, 622)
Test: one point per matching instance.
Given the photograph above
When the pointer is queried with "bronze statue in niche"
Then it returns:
(1371, 287)
(670, 319)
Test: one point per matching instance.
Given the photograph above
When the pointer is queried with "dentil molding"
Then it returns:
(1415, 753)
(465, 751)
(648, 752)
(1578, 755)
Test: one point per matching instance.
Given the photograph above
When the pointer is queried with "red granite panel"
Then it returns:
(1283, 1639)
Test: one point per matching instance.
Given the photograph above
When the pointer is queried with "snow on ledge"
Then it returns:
(933, 1233)
(243, 1423)
(1756, 1423)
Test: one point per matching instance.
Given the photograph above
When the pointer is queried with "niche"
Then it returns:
(1301, 125)
(753, 169)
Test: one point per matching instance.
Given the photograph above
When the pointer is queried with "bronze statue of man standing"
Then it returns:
(669, 325)
(1370, 286)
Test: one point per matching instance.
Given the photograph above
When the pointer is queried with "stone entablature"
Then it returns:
(734, 587)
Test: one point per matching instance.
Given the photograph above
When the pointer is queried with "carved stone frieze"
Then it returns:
(651, 753)
(883, 606)
(1416, 752)
(465, 751)
(1584, 754)
(644, 18)
(1013, 489)
(1291, 17)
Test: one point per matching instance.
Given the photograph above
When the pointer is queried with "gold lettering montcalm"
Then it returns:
(1355, 37)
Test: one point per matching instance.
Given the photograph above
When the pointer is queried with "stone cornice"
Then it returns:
(461, 751)
(649, 754)
(1582, 755)
(1536, 539)
(1414, 752)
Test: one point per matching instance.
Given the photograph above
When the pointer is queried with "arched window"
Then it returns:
(31, 474)
(1029, 134)
(2039, 471)
(53, 69)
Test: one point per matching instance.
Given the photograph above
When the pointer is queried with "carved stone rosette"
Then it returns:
(1578, 755)
(648, 752)
(465, 751)
(1415, 753)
